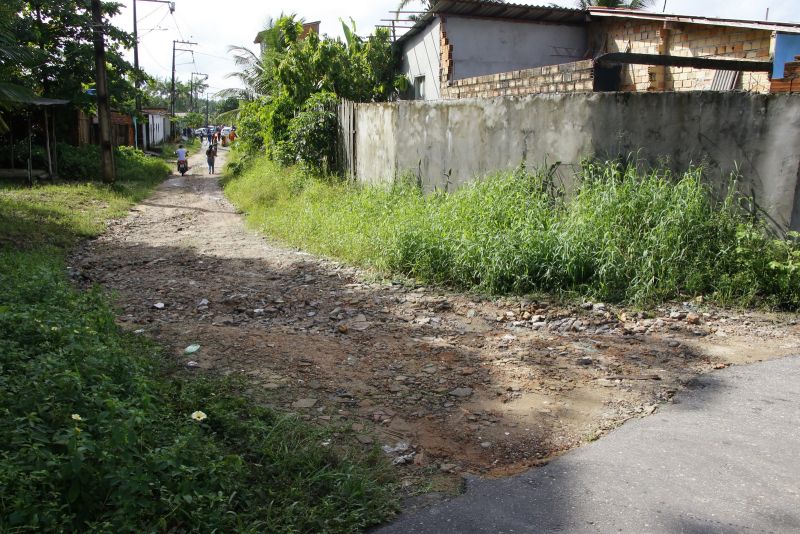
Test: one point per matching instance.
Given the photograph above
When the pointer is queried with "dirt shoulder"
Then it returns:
(451, 382)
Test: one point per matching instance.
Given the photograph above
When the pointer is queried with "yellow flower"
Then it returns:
(199, 416)
(76, 417)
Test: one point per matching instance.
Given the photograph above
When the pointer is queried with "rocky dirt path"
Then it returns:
(448, 382)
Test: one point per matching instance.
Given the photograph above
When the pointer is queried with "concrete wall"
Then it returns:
(486, 46)
(421, 58)
(470, 138)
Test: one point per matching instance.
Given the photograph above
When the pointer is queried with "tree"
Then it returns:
(11, 54)
(58, 53)
(297, 81)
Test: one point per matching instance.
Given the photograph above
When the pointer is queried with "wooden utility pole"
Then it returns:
(103, 110)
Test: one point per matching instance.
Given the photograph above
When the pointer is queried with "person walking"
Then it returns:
(209, 136)
(211, 154)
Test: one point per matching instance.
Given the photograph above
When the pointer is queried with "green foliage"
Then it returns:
(312, 131)
(299, 81)
(83, 163)
(93, 437)
(96, 431)
(623, 235)
(55, 52)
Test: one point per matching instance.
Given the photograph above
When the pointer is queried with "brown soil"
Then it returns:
(468, 383)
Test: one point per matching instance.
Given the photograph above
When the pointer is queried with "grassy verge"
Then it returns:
(624, 236)
(96, 432)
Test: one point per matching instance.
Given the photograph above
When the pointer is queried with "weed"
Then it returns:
(623, 235)
(97, 433)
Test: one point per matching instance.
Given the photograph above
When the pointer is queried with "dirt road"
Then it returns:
(451, 382)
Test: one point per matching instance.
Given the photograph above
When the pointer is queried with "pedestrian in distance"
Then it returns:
(209, 136)
(211, 154)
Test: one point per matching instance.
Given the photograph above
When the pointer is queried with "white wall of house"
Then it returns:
(159, 129)
(421, 62)
(486, 46)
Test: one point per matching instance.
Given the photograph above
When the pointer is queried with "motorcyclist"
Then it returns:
(181, 152)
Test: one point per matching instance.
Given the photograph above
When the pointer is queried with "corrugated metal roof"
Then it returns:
(561, 15)
(787, 27)
(498, 10)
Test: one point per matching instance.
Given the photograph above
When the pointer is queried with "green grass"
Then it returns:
(624, 236)
(96, 431)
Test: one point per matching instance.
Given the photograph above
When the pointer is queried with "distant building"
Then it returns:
(308, 27)
(159, 128)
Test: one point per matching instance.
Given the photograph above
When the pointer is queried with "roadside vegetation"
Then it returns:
(624, 235)
(100, 433)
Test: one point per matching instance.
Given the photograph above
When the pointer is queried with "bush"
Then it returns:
(94, 437)
(83, 163)
(312, 133)
(624, 235)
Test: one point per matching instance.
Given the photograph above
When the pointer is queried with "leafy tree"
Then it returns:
(296, 79)
(11, 54)
(194, 119)
(227, 104)
(58, 60)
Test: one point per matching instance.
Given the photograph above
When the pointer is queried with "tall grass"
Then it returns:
(624, 235)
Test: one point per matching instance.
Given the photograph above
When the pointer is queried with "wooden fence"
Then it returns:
(346, 138)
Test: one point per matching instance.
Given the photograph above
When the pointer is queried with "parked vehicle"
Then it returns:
(200, 131)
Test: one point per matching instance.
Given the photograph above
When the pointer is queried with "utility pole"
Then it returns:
(191, 89)
(137, 82)
(103, 110)
(172, 92)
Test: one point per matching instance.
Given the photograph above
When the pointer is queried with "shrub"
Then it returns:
(624, 235)
(312, 133)
(83, 163)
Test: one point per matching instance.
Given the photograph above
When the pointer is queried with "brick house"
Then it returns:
(480, 48)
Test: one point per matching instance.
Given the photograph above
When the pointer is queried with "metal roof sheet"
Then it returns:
(787, 27)
(562, 15)
(497, 10)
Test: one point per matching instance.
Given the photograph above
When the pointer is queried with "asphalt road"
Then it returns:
(724, 458)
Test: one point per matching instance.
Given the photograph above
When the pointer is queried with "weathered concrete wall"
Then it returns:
(466, 139)
(422, 59)
(488, 46)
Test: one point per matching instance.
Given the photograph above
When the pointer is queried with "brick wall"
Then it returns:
(790, 83)
(446, 60)
(691, 40)
(565, 78)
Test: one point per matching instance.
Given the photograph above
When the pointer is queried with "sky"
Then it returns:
(216, 24)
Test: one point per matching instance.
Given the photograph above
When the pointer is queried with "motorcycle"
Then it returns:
(183, 166)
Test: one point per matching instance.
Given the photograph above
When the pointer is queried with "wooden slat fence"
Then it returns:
(347, 138)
